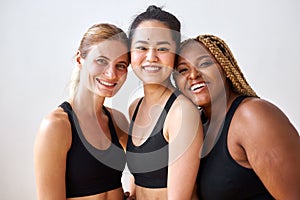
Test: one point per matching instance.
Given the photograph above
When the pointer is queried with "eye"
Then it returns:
(101, 61)
(182, 69)
(163, 49)
(205, 64)
(141, 48)
(121, 66)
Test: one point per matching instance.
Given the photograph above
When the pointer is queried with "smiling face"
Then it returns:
(152, 52)
(104, 70)
(198, 75)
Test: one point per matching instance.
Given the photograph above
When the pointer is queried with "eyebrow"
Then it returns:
(100, 56)
(158, 43)
(202, 57)
(198, 59)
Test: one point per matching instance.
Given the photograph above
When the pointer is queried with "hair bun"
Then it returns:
(153, 8)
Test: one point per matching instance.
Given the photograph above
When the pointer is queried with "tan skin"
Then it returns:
(155, 47)
(54, 136)
(260, 136)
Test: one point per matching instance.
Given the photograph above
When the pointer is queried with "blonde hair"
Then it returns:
(93, 36)
(222, 53)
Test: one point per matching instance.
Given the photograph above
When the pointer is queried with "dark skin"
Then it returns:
(260, 136)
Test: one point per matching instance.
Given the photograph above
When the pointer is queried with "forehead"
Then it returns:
(152, 31)
(193, 50)
(112, 49)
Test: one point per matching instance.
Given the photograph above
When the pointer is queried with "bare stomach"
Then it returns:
(116, 194)
(150, 193)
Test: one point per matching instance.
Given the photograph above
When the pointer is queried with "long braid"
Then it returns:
(224, 56)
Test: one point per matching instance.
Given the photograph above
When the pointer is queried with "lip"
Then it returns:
(197, 87)
(151, 68)
(106, 83)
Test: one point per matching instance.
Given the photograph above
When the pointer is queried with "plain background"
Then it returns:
(38, 39)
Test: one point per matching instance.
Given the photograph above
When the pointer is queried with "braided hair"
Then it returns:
(222, 53)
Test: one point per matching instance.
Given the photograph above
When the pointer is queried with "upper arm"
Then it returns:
(185, 139)
(50, 150)
(272, 146)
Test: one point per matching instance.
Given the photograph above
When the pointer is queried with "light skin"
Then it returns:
(152, 60)
(102, 74)
(260, 136)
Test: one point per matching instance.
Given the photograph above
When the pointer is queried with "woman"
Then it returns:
(165, 132)
(251, 150)
(79, 149)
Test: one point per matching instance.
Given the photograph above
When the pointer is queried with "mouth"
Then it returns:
(151, 68)
(105, 83)
(197, 87)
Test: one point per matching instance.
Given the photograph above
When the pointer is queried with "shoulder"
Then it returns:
(55, 129)
(257, 118)
(183, 106)
(183, 117)
(254, 110)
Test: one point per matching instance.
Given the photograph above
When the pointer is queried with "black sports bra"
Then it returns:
(149, 162)
(91, 171)
(221, 177)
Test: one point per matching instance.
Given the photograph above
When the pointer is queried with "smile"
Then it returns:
(197, 86)
(106, 83)
(151, 68)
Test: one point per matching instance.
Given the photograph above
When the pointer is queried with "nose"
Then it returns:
(110, 72)
(151, 55)
(194, 73)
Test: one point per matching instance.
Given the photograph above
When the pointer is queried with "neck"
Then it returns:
(153, 93)
(219, 106)
(86, 101)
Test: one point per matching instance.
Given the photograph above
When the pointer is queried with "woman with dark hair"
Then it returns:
(165, 133)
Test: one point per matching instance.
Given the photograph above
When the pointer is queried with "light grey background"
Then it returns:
(38, 39)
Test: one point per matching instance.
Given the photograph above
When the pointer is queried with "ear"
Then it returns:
(78, 59)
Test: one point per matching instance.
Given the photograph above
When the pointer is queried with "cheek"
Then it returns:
(181, 82)
(136, 58)
(122, 75)
(91, 69)
(168, 59)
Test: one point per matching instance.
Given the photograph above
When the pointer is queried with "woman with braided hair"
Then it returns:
(250, 149)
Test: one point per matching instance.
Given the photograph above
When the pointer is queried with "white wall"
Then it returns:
(39, 38)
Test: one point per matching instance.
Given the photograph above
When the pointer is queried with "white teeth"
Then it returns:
(197, 86)
(152, 68)
(106, 83)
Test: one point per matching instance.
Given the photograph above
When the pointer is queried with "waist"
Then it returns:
(151, 193)
(117, 194)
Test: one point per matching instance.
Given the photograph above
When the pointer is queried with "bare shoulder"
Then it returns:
(184, 107)
(56, 128)
(271, 145)
(259, 118)
(183, 117)
(259, 111)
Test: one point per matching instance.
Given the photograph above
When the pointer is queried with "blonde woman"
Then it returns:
(79, 149)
